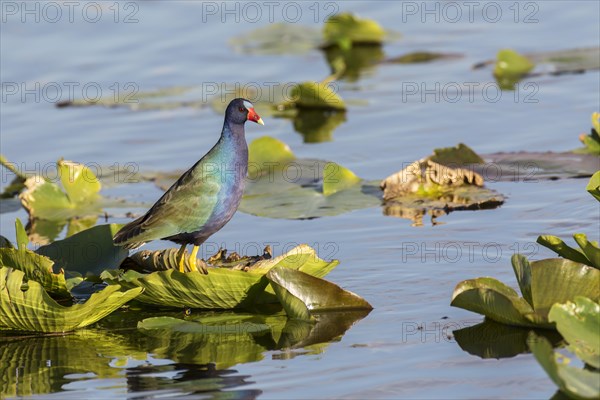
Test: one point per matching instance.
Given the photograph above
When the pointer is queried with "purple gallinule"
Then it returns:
(204, 198)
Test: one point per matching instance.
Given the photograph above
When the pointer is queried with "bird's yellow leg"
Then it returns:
(193, 260)
(181, 257)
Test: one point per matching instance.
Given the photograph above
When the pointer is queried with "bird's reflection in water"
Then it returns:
(188, 381)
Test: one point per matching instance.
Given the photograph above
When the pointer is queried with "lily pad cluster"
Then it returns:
(558, 293)
(37, 298)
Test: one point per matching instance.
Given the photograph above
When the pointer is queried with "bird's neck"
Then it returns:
(234, 138)
(233, 132)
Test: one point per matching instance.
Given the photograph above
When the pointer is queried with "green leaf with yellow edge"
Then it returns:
(46, 200)
(315, 95)
(579, 323)
(35, 311)
(22, 238)
(596, 122)
(89, 251)
(590, 249)
(557, 245)
(496, 301)
(457, 156)
(545, 282)
(337, 178)
(301, 293)
(556, 280)
(574, 382)
(346, 29)
(179, 325)
(267, 151)
(593, 186)
(36, 268)
(220, 288)
(511, 63)
(80, 183)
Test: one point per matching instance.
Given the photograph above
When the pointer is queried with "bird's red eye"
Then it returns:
(242, 109)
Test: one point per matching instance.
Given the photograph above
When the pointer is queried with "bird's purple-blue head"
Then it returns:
(241, 110)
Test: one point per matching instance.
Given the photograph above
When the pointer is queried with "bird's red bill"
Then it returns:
(253, 116)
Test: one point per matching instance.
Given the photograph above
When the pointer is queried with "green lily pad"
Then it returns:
(421, 57)
(265, 151)
(160, 99)
(458, 156)
(34, 310)
(579, 323)
(345, 30)
(36, 268)
(337, 178)
(315, 95)
(496, 301)
(220, 288)
(277, 38)
(89, 251)
(574, 382)
(511, 63)
(530, 166)
(179, 325)
(557, 245)
(591, 141)
(17, 183)
(543, 282)
(46, 200)
(301, 293)
(593, 186)
(551, 62)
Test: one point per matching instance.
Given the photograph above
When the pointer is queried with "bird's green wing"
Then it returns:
(185, 207)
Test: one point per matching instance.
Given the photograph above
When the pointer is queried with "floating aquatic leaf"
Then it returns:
(458, 156)
(543, 283)
(579, 323)
(345, 30)
(89, 251)
(221, 288)
(511, 63)
(560, 61)
(46, 200)
(178, 325)
(315, 95)
(301, 293)
(34, 310)
(36, 268)
(588, 255)
(421, 57)
(574, 382)
(337, 178)
(266, 150)
(161, 99)
(528, 166)
(277, 38)
(593, 186)
(17, 184)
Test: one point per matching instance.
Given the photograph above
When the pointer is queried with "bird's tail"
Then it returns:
(127, 234)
